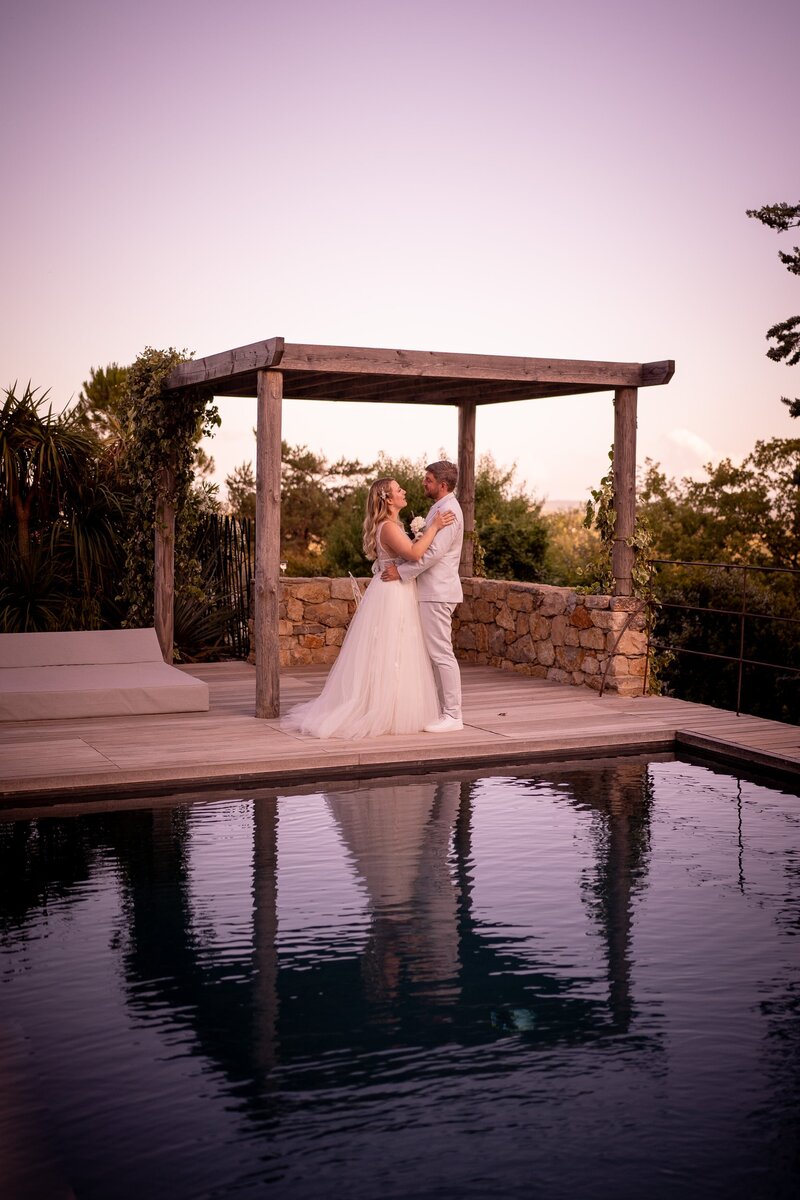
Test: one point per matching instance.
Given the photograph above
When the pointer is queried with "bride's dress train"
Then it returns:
(382, 681)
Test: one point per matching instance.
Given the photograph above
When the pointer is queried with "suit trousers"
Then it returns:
(437, 630)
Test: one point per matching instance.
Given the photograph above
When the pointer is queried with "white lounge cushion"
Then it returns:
(92, 673)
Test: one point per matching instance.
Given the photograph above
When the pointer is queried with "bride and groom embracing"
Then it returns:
(396, 671)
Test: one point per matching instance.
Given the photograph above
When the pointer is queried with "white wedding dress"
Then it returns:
(382, 681)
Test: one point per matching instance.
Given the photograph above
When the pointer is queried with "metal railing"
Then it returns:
(742, 612)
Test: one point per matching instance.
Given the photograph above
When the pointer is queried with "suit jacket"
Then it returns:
(436, 572)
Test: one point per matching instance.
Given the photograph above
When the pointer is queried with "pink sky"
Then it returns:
(507, 177)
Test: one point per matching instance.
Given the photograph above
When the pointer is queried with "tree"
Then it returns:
(103, 400)
(570, 546)
(745, 514)
(61, 518)
(786, 334)
(241, 488)
(510, 531)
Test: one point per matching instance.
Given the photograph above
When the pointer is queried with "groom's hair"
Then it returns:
(444, 472)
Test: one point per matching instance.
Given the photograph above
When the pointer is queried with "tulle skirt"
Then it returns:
(382, 681)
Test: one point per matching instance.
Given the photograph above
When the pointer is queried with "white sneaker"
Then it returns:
(445, 725)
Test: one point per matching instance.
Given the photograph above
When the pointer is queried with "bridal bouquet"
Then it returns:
(417, 526)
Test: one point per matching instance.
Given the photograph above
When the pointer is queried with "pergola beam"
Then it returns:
(273, 369)
(228, 366)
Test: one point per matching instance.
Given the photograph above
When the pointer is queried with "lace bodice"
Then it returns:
(384, 557)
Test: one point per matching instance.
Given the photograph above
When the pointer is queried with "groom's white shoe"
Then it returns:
(445, 725)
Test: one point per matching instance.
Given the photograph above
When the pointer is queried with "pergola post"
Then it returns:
(164, 565)
(268, 542)
(624, 488)
(466, 483)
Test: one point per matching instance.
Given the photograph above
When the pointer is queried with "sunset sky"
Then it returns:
(501, 177)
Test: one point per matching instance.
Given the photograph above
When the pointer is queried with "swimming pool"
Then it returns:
(579, 982)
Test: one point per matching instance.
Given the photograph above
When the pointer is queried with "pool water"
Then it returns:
(578, 982)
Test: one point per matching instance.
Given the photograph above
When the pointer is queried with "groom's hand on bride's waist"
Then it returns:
(390, 574)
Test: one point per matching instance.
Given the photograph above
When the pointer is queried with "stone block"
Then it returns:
(493, 589)
(285, 628)
(559, 676)
(558, 628)
(545, 653)
(520, 601)
(466, 611)
(334, 636)
(300, 656)
(569, 657)
(497, 641)
(590, 665)
(330, 612)
(505, 618)
(522, 624)
(554, 601)
(538, 672)
(581, 618)
(539, 627)
(594, 602)
(625, 685)
(609, 620)
(294, 609)
(578, 678)
(625, 603)
(481, 638)
(312, 641)
(632, 642)
(484, 611)
(465, 638)
(592, 639)
(521, 651)
(617, 666)
(342, 589)
(594, 682)
(314, 592)
(572, 636)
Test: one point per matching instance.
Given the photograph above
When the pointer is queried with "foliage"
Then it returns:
(511, 535)
(162, 432)
(706, 619)
(313, 491)
(241, 489)
(103, 401)
(747, 513)
(750, 515)
(61, 518)
(600, 516)
(570, 546)
(785, 334)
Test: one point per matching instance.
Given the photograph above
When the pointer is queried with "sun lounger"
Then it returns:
(91, 673)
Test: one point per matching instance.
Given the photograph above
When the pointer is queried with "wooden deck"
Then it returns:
(508, 719)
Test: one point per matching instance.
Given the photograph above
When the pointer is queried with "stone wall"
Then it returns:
(531, 628)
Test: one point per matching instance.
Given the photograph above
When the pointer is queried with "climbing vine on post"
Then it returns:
(601, 516)
(162, 433)
(599, 575)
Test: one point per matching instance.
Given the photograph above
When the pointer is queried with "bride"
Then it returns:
(382, 681)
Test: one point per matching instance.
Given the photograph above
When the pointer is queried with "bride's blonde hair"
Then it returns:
(377, 510)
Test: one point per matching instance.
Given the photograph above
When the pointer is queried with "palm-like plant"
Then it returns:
(60, 517)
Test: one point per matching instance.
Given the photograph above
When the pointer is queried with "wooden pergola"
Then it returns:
(273, 370)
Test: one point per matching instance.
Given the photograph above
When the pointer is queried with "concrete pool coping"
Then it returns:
(509, 719)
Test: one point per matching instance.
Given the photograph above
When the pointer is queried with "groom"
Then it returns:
(439, 591)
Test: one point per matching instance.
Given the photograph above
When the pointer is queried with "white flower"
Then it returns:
(417, 526)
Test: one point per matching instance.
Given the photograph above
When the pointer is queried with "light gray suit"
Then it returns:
(438, 592)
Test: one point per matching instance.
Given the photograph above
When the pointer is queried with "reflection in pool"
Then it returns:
(576, 983)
